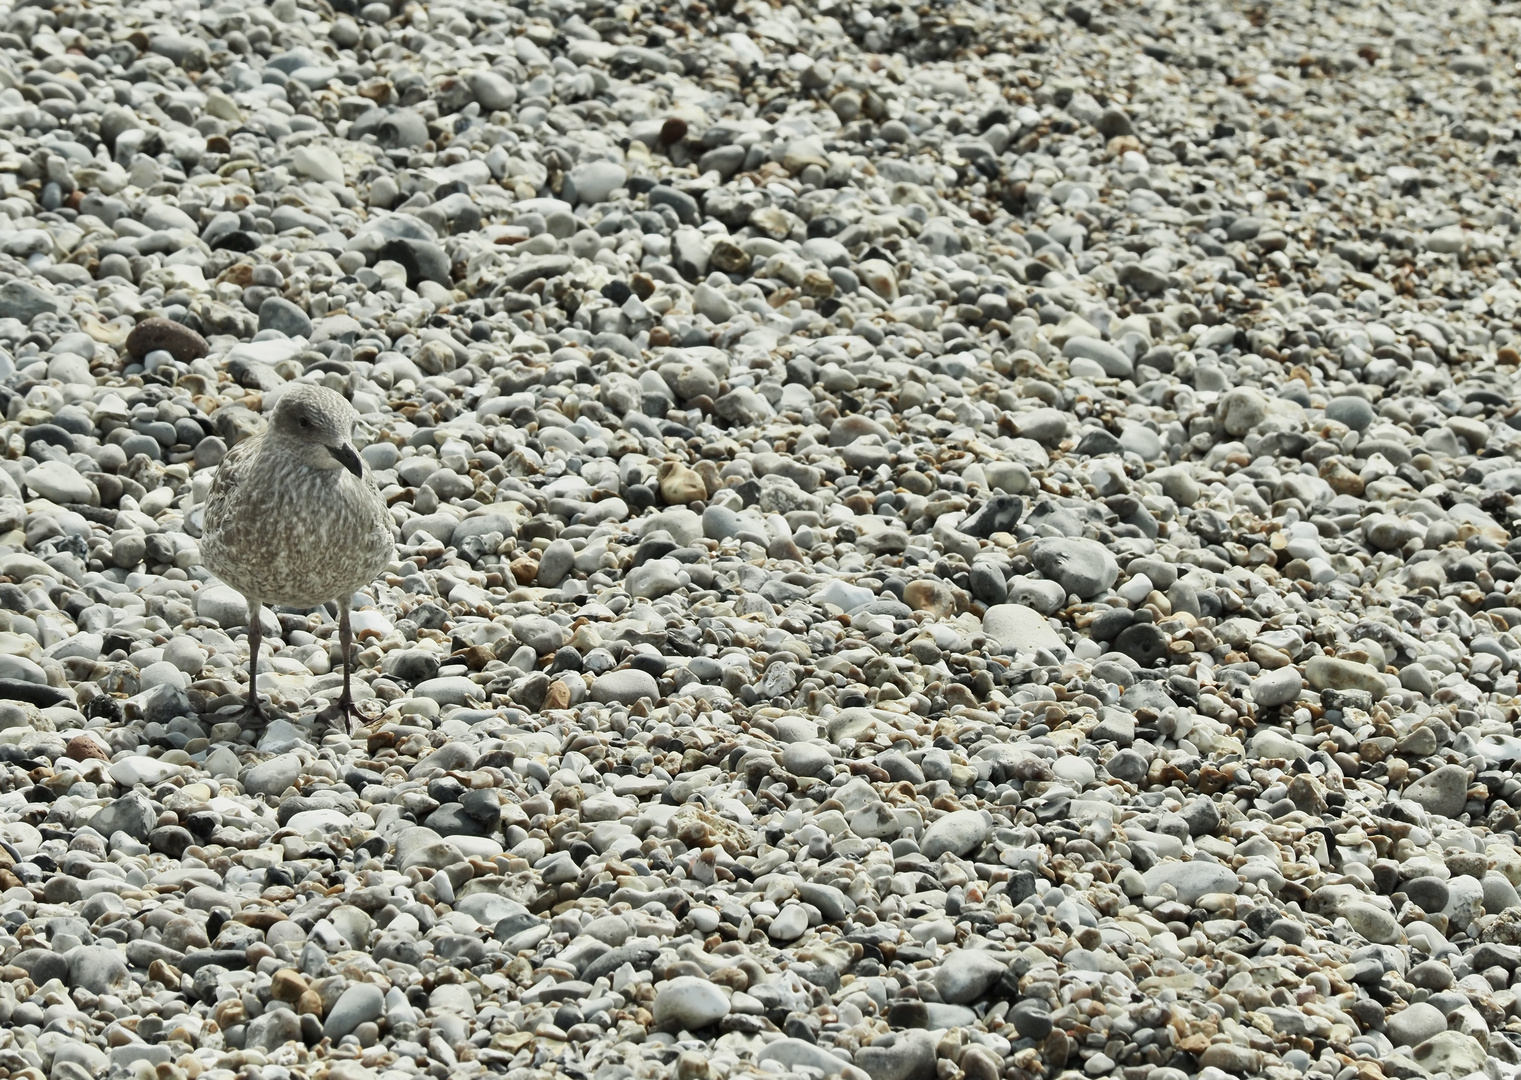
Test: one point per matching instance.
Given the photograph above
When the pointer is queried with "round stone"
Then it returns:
(689, 1003)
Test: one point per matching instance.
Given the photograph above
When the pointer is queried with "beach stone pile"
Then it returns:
(946, 542)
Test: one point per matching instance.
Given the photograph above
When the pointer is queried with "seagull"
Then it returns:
(295, 518)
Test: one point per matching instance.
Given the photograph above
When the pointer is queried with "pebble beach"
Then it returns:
(973, 541)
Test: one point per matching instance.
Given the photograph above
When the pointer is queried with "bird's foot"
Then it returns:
(344, 715)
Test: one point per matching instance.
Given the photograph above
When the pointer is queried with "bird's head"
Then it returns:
(318, 425)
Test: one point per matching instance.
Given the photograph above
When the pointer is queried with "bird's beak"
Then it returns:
(345, 456)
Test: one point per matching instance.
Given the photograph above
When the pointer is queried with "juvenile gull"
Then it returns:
(294, 518)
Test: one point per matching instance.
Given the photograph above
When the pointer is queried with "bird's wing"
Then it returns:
(225, 485)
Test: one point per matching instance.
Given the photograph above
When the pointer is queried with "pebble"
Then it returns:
(689, 1002)
(58, 482)
(958, 833)
(789, 924)
(1276, 688)
(794, 1052)
(1451, 1052)
(1031, 1018)
(1085, 568)
(360, 1003)
(966, 975)
(1190, 880)
(1443, 791)
(625, 687)
(158, 334)
(911, 1056)
(1014, 626)
(1373, 923)
(273, 776)
(1415, 1024)
(1330, 673)
(96, 969)
(279, 314)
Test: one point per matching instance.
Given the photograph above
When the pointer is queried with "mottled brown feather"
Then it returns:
(282, 531)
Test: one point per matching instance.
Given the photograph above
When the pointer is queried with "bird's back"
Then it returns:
(288, 533)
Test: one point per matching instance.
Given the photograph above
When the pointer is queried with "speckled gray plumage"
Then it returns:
(284, 532)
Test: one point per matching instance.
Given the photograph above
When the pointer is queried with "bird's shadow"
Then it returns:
(329, 717)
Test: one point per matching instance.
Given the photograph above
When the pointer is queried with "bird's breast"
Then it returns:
(298, 535)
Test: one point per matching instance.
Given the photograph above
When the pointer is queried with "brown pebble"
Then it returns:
(229, 1013)
(1268, 657)
(476, 656)
(1343, 480)
(180, 342)
(729, 256)
(556, 697)
(711, 479)
(1121, 143)
(817, 284)
(930, 596)
(783, 547)
(1213, 780)
(673, 130)
(309, 1002)
(84, 748)
(260, 918)
(732, 977)
(680, 485)
(239, 274)
(287, 985)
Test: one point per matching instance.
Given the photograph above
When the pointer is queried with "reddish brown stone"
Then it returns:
(673, 130)
(84, 748)
(180, 342)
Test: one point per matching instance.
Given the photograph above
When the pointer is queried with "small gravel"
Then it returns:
(951, 542)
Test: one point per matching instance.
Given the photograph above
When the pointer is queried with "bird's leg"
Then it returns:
(346, 643)
(344, 708)
(253, 714)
